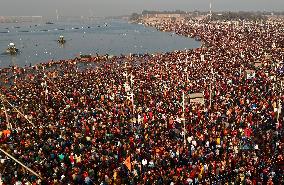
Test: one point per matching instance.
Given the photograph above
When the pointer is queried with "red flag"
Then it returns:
(127, 163)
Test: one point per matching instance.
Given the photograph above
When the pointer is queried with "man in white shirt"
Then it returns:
(144, 162)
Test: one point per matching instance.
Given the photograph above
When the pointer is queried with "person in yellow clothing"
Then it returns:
(114, 175)
(218, 141)
(201, 172)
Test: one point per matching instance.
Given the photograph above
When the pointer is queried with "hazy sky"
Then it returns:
(123, 7)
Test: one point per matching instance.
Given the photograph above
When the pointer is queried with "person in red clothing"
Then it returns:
(248, 132)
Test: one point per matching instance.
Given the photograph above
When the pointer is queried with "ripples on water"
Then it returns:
(38, 42)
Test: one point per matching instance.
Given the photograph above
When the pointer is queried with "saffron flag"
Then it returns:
(6, 133)
(127, 163)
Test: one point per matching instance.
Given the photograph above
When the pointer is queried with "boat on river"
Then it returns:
(12, 50)
(61, 40)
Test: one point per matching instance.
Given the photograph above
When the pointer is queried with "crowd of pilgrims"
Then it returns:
(77, 121)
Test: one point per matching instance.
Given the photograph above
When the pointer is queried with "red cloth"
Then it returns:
(145, 118)
(71, 159)
(151, 115)
(248, 132)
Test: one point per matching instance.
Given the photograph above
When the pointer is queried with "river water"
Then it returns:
(38, 41)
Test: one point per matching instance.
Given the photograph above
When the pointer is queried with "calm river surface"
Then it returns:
(38, 41)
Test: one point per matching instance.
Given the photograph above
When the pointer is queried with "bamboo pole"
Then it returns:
(17, 161)
(9, 125)
(56, 88)
(183, 110)
(2, 97)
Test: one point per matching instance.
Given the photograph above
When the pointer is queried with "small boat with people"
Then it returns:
(191, 35)
(24, 31)
(12, 50)
(61, 39)
(85, 56)
(197, 38)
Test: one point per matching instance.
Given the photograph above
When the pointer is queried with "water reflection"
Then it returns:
(13, 60)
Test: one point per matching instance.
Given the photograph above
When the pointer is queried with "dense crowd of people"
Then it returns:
(77, 121)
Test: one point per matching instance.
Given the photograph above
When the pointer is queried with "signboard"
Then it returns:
(196, 98)
(202, 58)
(250, 74)
(257, 64)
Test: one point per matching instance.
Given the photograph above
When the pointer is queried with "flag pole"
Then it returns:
(183, 110)
(279, 102)
(9, 125)
(210, 96)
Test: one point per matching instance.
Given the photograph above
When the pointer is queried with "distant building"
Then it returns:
(162, 15)
(15, 19)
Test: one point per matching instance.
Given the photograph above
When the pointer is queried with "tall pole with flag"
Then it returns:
(183, 110)
(210, 103)
(210, 10)
(211, 75)
(279, 101)
(129, 89)
(57, 15)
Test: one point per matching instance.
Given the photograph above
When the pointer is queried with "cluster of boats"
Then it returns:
(6, 30)
(13, 50)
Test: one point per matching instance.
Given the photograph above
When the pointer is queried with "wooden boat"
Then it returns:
(61, 40)
(12, 50)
